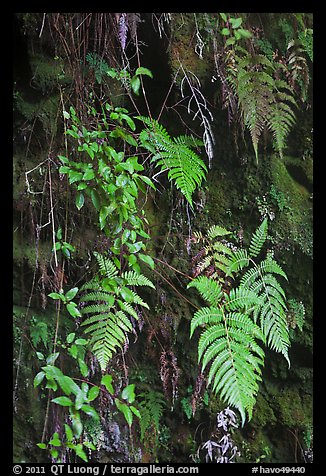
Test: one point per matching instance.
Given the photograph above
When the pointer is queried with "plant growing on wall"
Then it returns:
(239, 318)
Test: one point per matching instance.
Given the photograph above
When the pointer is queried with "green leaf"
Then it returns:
(70, 337)
(71, 294)
(80, 200)
(135, 411)
(73, 311)
(147, 259)
(125, 410)
(145, 71)
(54, 453)
(81, 341)
(77, 425)
(128, 393)
(236, 22)
(224, 17)
(56, 296)
(93, 393)
(96, 199)
(41, 445)
(225, 31)
(63, 401)
(244, 33)
(59, 233)
(83, 367)
(69, 433)
(52, 358)
(81, 453)
(40, 356)
(90, 411)
(135, 84)
(39, 378)
(55, 441)
(68, 385)
(107, 382)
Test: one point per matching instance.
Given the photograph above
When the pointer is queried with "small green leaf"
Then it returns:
(80, 200)
(69, 433)
(93, 393)
(40, 356)
(52, 358)
(135, 84)
(56, 296)
(54, 453)
(59, 233)
(128, 393)
(123, 408)
(224, 17)
(81, 453)
(96, 199)
(107, 382)
(66, 115)
(71, 294)
(244, 33)
(147, 259)
(70, 337)
(55, 441)
(63, 401)
(135, 411)
(89, 445)
(225, 31)
(41, 445)
(236, 22)
(68, 385)
(77, 425)
(73, 311)
(81, 341)
(90, 411)
(39, 378)
(145, 71)
(83, 367)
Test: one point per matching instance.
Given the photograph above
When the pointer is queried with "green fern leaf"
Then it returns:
(184, 166)
(258, 239)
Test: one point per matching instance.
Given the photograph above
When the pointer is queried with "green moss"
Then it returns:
(48, 73)
(294, 410)
(183, 48)
(46, 110)
(294, 224)
(26, 251)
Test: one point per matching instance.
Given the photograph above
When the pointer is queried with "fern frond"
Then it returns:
(185, 168)
(204, 316)
(215, 230)
(258, 239)
(151, 408)
(107, 267)
(209, 289)
(239, 259)
(135, 279)
(236, 319)
(108, 320)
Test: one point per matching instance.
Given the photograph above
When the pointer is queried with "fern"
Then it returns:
(264, 100)
(237, 322)
(185, 168)
(258, 239)
(111, 307)
(151, 410)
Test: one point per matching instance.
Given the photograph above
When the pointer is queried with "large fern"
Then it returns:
(174, 155)
(264, 100)
(237, 318)
(109, 305)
